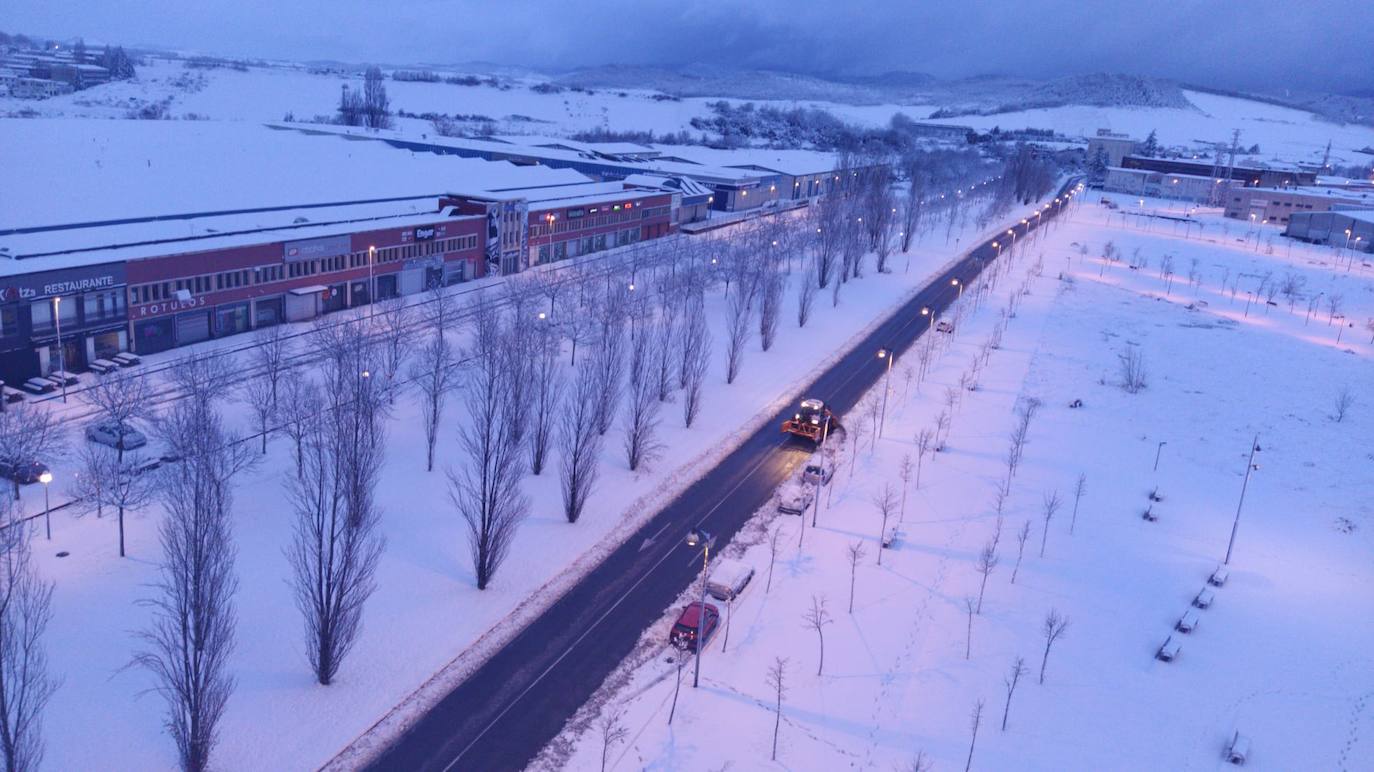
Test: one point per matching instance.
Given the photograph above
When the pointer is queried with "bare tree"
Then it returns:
(394, 324)
(613, 732)
(192, 629)
(608, 363)
(1053, 629)
(919, 763)
(806, 294)
(970, 608)
(1018, 669)
(335, 546)
(975, 720)
(696, 354)
(987, 563)
(201, 376)
(1079, 488)
(771, 287)
(1132, 370)
(816, 618)
(774, 538)
(1334, 301)
(1021, 537)
(640, 421)
(905, 472)
(256, 394)
(440, 310)
(1341, 405)
(25, 683)
(272, 349)
(1049, 506)
(118, 400)
(578, 443)
(924, 443)
(302, 405)
(548, 395)
(738, 304)
(855, 552)
(486, 489)
(885, 503)
(777, 681)
(106, 480)
(434, 372)
(28, 434)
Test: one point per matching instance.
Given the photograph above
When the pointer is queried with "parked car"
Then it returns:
(818, 472)
(64, 378)
(39, 386)
(728, 579)
(13, 395)
(795, 498)
(684, 634)
(944, 327)
(25, 473)
(108, 432)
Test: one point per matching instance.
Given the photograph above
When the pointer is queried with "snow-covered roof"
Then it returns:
(75, 170)
(793, 163)
(688, 187)
(1331, 193)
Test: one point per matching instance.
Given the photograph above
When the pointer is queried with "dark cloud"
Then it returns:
(1272, 44)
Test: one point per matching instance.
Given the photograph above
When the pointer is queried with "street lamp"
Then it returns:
(46, 478)
(1250, 466)
(889, 355)
(699, 538)
(371, 279)
(960, 285)
(998, 247)
(1158, 450)
(61, 352)
(925, 311)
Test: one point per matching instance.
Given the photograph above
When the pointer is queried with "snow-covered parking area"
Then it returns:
(1279, 654)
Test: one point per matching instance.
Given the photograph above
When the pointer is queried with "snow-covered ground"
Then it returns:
(1280, 656)
(269, 93)
(426, 610)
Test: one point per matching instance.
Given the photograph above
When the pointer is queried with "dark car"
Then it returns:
(684, 634)
(23, 473)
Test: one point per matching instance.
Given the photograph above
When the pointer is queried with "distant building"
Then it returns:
(1116, 146)
(1348, 228)
(1142, 182)
(1274, 175)
(946, 131)
(1278, 205)
(38, 88)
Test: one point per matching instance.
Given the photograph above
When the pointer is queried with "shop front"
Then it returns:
(61, 320)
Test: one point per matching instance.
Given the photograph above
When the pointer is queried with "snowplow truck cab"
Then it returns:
(810, 420)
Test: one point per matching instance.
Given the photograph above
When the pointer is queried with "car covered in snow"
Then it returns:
(795, 497)
(109, 433)
(728, 579)
(943, 326)
(684, 632)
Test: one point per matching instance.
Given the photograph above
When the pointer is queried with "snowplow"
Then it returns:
(813, 421)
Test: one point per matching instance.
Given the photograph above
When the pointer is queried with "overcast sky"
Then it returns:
(1320, 44)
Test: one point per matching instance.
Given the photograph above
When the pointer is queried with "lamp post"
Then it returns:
(371, 280)
(46, 478)
(1250, 466)
(697, 537)
(925, 311)
(889, 355)
(61, 352)
(960, 285)
(1158, 450)
(998, 247)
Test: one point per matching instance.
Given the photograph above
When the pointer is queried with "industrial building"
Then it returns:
(1273, 175)
(1352, 229)
(87, 270)
(1115, 146)
(1278, 205)
(1142, 182)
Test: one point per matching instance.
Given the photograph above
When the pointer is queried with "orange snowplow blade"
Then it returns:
(802, 429)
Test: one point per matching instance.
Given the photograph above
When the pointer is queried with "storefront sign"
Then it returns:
(311, 249)
(67, 282)
(424, 233)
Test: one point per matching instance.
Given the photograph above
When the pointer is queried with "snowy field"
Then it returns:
(1280, 656)
(426, 611)
(263, 94)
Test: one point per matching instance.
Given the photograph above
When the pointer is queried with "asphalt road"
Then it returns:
(506, 711)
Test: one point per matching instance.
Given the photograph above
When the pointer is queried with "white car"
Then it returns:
(108, 433)
(944, 327)
(794, 498)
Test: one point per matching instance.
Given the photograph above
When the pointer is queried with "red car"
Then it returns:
(684, 634)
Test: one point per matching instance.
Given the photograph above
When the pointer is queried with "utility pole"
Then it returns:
(1249, 467)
